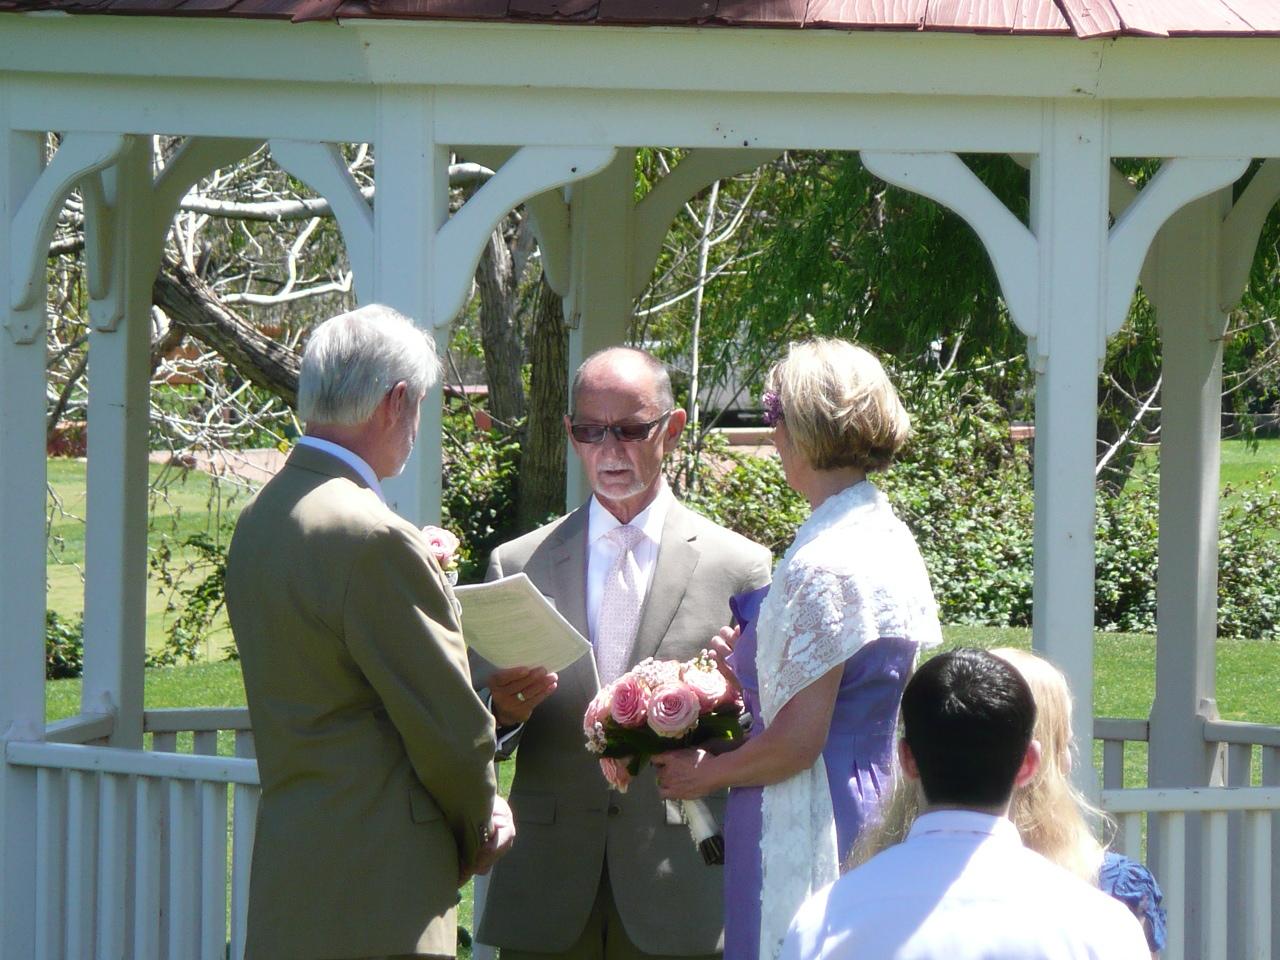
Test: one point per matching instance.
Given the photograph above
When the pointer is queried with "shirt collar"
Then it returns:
(964, 821)
(650, 520)
(353, 460)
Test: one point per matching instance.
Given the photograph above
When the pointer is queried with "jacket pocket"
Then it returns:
(422, 808)
(533, 807)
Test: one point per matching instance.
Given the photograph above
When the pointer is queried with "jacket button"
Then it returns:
(614, 809)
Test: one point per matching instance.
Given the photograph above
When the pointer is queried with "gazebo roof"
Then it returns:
(1080, 18)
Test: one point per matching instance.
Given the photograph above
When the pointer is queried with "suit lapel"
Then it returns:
(677, 557)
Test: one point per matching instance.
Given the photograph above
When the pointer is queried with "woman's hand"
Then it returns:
(721, 646)
(684, 774)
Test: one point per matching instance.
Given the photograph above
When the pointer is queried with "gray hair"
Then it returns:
(353, 359)
(661, 379)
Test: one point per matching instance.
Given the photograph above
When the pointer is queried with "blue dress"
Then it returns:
(858, 759)
(1133, 885)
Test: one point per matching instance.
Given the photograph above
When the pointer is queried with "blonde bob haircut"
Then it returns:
(839, 406)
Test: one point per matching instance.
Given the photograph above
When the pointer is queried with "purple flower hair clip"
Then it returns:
(772, 408)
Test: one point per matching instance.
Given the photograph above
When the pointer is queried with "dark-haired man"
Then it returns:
(962, 886)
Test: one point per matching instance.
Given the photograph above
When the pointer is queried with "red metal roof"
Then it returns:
(1081, 18)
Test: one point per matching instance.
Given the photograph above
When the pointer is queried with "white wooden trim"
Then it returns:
(531, 171)
(1214, 923)
(944, 177)
(658, 208)
(1177, 183)
(184, 867)
(1256, 881)
(321, 166)
(115, 796)
(81, 729)
(1232, 731)
(213, 871)
(1070, 187)
(182, 720)
(115, 594)
(148, 857)
(1191, 800)
(51, 853)
(140, 763)
(22, 588)
(1171, 835)
(1240, 232)
(1117, 728)
(82, 848)
(245, 813)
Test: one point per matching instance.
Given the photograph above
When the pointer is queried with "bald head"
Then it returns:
(624, 368)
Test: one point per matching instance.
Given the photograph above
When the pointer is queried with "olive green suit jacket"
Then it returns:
(569, 825)
(374, 752)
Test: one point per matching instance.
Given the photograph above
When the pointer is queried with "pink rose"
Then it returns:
(630, 701)
(442, 544)
(710, 686)
(673, 710)
(616, 773)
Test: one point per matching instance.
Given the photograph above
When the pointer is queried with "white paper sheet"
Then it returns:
(511, 624)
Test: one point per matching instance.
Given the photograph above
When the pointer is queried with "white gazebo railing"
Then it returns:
(142, 854)
(146, 854)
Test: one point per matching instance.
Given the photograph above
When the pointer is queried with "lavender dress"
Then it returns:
(857, 755)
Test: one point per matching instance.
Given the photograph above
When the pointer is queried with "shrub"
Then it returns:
(478, 501)
(63, 647)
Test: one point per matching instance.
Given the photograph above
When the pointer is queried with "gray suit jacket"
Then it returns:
(569, 825)
(375, 754)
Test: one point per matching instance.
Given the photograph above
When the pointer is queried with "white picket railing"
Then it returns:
(1234, 825)
(132, 846)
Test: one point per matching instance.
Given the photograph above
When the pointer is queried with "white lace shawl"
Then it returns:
(852, 575)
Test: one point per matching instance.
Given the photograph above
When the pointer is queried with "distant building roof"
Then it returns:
(1080, 18)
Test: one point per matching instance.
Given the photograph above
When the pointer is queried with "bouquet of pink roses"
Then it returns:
(663, 705)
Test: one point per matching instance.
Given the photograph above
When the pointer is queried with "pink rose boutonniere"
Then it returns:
(444, 547)
(663, 705)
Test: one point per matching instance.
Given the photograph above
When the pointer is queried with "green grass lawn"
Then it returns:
(183, 503)
(1241, 465)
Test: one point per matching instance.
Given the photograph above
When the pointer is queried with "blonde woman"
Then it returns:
(824, 661)
(1051, 815)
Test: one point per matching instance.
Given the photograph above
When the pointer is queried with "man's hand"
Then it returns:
(502, 833)
(517, 690)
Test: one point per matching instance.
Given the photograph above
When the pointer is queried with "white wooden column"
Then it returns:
(599, 306)
(22, 539)
(411, 204)
(1069, 183)
(119, 374)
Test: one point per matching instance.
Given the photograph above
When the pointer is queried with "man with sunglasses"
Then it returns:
(599, 875)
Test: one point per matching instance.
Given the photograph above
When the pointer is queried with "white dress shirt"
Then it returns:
(602, 552)
(352, 460)
(962, 887)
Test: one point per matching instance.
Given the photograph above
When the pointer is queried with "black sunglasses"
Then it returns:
(628, 432)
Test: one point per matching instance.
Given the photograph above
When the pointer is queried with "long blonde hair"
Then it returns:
(1051, 815)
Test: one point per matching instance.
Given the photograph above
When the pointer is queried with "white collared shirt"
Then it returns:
(961, 887)
(602, 552)
(352, 460)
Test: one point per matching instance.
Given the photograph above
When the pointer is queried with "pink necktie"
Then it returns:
(619, 606)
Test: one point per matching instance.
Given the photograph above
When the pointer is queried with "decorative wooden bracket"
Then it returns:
(1010, 245)
(658, 208)
(1241, 229)
(1013, 248)
(80, 156)
(322, 167)
(531, 171)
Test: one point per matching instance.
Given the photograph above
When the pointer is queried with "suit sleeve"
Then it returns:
(403, 632)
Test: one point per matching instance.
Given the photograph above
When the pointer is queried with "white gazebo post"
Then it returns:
(411, 204)
(22, 506)
(1069, 191)
(120, 279)
(600, 301)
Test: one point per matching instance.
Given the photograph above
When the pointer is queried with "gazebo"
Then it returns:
(110, 850)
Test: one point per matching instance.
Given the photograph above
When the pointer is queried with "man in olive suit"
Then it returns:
(597, 874)
(375, 754)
